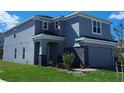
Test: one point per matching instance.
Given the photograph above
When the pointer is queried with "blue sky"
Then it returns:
(12, 18)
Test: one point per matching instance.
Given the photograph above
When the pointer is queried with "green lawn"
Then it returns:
(14, 72)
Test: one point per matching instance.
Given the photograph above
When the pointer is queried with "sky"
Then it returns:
(9, 19)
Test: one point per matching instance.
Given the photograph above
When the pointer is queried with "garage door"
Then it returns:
(100, 57)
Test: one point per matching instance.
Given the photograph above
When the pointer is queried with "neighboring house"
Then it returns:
(1, 44)
(42, 39)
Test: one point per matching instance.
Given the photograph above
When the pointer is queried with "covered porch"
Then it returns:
(48, 49)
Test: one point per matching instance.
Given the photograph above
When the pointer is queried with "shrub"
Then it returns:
(51, 63)
(60, 65)
(68, 59)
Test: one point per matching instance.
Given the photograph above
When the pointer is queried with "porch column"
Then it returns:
(43, 53)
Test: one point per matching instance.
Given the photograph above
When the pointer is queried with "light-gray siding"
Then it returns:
(22, 39)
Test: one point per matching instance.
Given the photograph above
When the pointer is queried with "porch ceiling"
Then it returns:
(50, 37)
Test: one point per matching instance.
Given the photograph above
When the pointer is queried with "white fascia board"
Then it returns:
(79, 39)
(58, 18)
(42, 18)
(72, 14)
(44, 36)
(88, 40)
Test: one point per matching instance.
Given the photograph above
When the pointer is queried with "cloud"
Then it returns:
(7, 20)
(117, 15)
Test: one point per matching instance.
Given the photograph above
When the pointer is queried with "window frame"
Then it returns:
(46, 25)
(56, 24)
(96, 27)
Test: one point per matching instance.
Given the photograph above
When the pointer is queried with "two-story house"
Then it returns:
(41, 39)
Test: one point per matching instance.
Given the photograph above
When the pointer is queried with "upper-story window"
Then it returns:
(96, 27)
(57, 25)
(45, 25)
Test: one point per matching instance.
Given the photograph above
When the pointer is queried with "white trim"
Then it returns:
(40, 48)
(38, 18)
(44, 36)
(58, 17)
(72, 14)
(43, 18)
(96, 27)
(47, 25)
(96, 41)
(76, 45)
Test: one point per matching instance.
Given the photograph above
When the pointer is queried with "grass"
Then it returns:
(14, 72)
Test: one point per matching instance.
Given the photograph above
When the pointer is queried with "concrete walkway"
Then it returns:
(84, 70)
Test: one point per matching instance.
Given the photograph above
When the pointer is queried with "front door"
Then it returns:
(51, 53)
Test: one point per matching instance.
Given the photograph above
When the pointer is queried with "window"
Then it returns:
(23, 54)
(57, 25)
(15, 53)
(14, 35)
(45, 25)
(96, 27)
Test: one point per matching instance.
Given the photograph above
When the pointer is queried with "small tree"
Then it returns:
(68, 59)
(119, 29)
